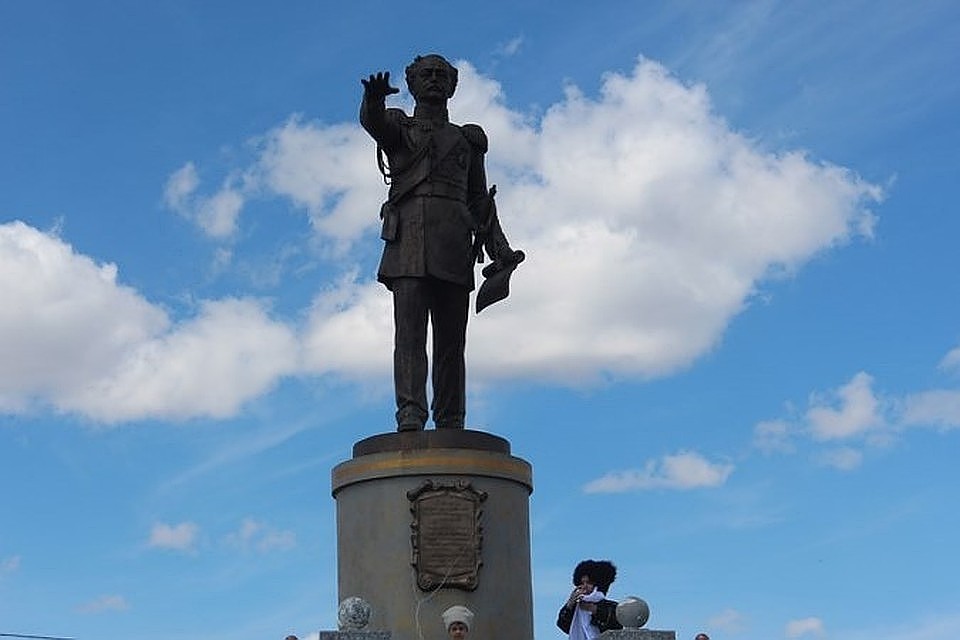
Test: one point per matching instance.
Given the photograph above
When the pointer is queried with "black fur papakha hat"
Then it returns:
(602, 573)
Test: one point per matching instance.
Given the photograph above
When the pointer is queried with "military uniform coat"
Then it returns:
(436, 169)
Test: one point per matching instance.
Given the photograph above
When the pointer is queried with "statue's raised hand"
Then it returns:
(377, 86)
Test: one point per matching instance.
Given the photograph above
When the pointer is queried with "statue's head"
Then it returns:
(431, 78)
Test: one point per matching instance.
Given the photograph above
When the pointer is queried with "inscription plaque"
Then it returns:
(446, 534)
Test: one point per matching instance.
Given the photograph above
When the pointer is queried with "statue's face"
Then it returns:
(431, 81)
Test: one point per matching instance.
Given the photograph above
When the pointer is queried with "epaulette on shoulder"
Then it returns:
(475, 136)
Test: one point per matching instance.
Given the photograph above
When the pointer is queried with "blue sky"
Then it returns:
(732, 357)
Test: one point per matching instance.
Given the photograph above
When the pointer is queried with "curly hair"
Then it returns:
(601, 572)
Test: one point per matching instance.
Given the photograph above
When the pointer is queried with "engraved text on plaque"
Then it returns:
(446, 534)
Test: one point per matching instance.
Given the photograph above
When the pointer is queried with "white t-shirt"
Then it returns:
(580, 627)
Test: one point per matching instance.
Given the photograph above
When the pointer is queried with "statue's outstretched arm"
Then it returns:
(373, 108)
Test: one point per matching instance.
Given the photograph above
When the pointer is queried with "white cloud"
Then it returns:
(350, 330)
(9, 565)
(855, 411)
(73, 337)
(938, 408)
(104, 603)
(729, 620)
(843, 458)
(256, 535)
(178, 537)
(216, 215)
(649, 224)
(685, 470)
(65, 319)
(939, 626)
(181, 186)
(951, 361)
(509, 48)
(208, 366)
(327, 171)
(773, 436)
(804, 626)
(277, 540)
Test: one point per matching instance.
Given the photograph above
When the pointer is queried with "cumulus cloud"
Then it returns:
(685, 470)
(937, 408)
(509, 48)
(648, 222)
(850, 411)
(932, 626)
(104, 604)
(71, 335)
(9, 565)
(325, 170)
(216, 215)
(951, 361)
(773, 436)
(181, 186)
(843, 458)
(65, 318)
(854, 415)
(354, 313)
(209, 366)
(258, 536)
(177, 537)
(729, 620)
(804, 627)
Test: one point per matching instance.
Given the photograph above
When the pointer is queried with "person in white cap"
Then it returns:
(457, 621)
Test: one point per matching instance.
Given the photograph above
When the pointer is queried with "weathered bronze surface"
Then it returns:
(438, 220)
(446, 534)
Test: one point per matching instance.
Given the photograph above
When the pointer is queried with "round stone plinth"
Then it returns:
(431, 439)
(423, 525)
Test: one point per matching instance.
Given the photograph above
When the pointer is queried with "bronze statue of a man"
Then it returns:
(437, 220)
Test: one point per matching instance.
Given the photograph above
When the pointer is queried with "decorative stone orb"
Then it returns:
(632, 612)
(353, 614)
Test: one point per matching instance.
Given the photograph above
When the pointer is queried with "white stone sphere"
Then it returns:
(633, 612)
(353, 614)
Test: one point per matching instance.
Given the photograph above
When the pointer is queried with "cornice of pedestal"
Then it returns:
(436, 461)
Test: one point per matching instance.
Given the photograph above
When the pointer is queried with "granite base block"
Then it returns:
(638, 634)
(354, 635)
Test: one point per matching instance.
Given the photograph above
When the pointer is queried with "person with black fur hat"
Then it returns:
(587, 612)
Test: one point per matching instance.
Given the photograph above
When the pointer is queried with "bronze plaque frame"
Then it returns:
(447, 534)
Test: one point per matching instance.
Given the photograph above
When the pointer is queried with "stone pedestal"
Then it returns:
(429, 519)
(355, 635)
(638, 634)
